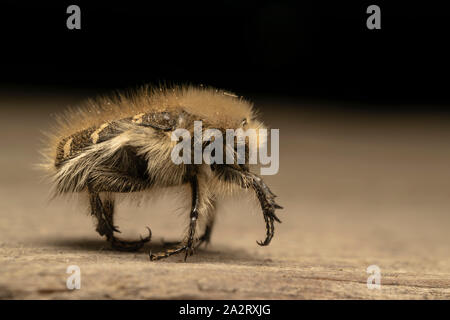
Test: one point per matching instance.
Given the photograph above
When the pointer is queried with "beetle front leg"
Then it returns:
(246, 179)
(268, 205)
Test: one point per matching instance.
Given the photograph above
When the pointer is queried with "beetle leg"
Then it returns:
(266, 197)
(268, 205)
(205, 238)
(104, 212)
(193, 218)
(188, 244)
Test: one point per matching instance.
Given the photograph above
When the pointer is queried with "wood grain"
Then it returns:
(358, 190)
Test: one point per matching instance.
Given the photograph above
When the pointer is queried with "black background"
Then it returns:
(303, 49)
(170, 308)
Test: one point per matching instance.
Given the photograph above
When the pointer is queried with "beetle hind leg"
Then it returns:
(104, 212)
(205, 238)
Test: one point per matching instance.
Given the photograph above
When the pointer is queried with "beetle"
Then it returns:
(122, 144)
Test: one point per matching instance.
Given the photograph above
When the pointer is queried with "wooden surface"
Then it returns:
(358, 190)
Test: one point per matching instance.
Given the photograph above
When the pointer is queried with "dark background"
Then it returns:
(302, 49)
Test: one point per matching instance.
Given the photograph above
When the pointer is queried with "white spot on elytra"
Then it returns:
(95, 134)
(66, 147)
(138, 118)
